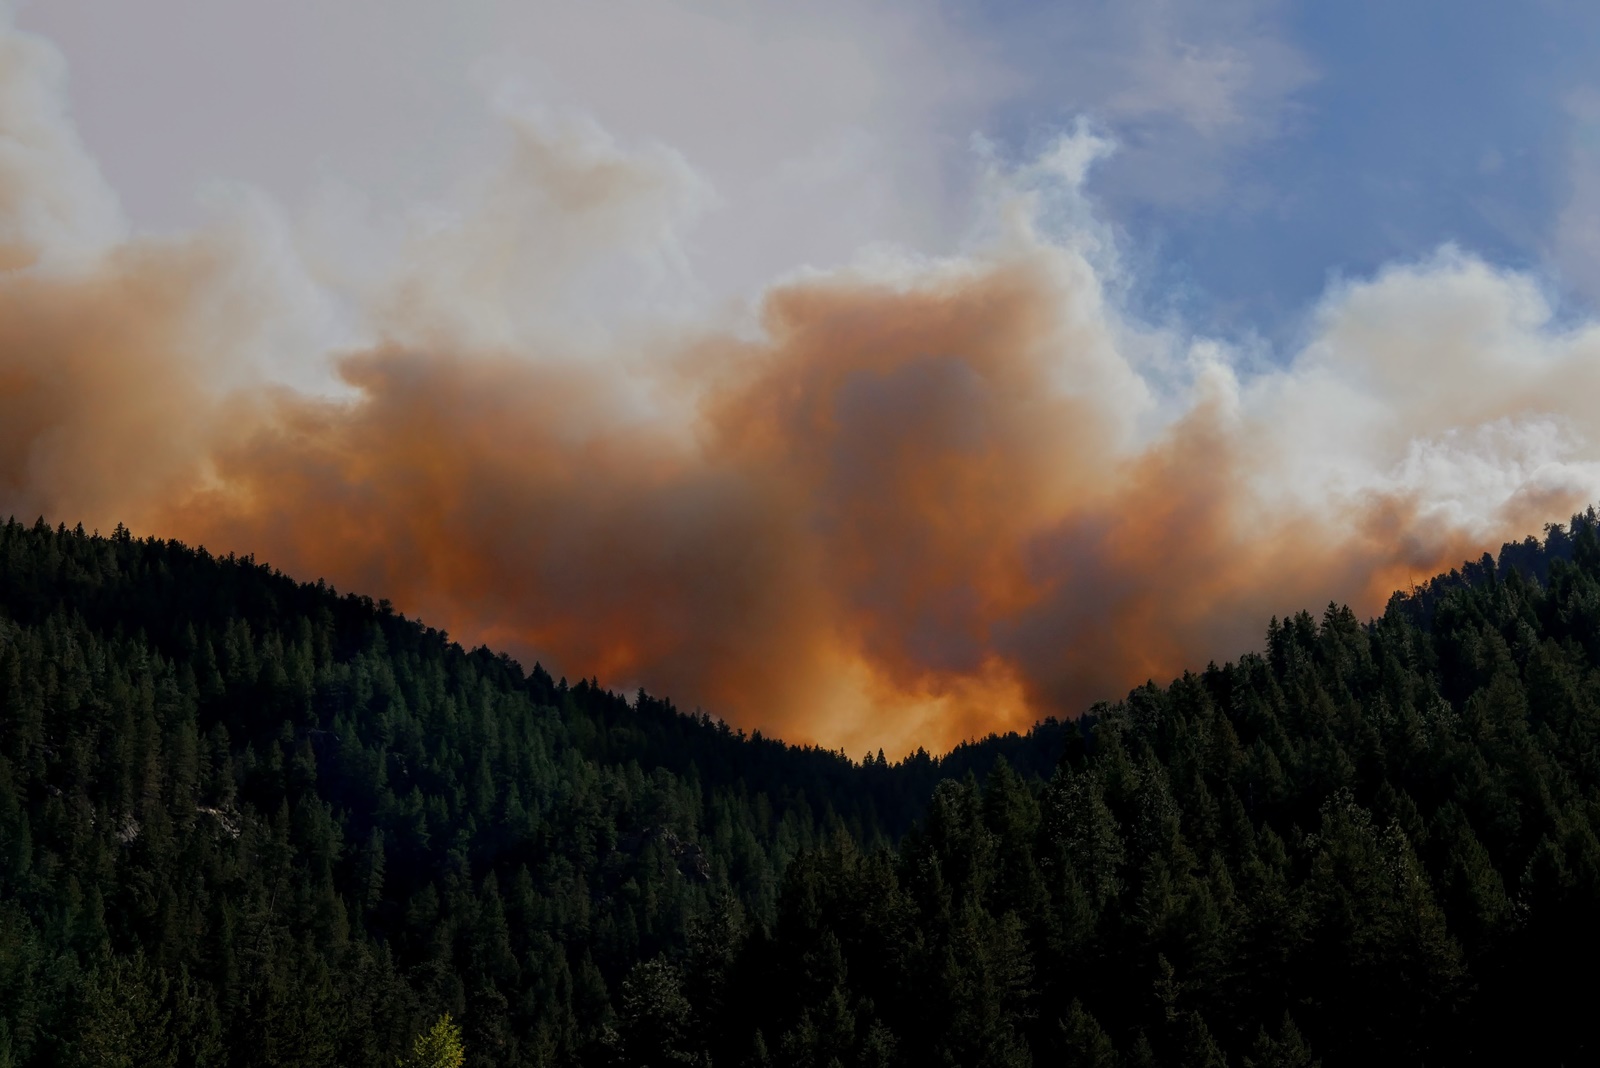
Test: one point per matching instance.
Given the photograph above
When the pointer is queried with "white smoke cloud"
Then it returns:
(56, 208)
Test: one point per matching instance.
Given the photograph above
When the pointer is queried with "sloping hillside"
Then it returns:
(247, 821)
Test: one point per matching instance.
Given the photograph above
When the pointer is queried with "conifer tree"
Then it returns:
(440, 1046)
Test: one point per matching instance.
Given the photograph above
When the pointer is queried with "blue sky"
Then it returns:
(1442, 123)
(1385, 131)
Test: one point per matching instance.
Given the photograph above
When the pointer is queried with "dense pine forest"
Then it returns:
(248, 821)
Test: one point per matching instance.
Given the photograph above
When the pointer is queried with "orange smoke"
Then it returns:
(917, 505)
(886, 523)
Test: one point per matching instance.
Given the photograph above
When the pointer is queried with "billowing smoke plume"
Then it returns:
(904, 501)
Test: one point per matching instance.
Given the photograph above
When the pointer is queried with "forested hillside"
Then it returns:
(247, 821)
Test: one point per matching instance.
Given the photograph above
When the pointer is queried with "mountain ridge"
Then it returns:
(230, 801)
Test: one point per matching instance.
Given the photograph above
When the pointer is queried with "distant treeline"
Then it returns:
(249, 821)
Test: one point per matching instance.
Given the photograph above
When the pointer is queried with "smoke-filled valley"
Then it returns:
(457, 591)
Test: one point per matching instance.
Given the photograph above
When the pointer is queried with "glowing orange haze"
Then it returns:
(921, 502)
(887, 523)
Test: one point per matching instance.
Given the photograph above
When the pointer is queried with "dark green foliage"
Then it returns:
(1287, 1050)
(249, 822)
(656, 1019)
(1082, 1044)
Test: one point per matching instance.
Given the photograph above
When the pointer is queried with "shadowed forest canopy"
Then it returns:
(248, 821)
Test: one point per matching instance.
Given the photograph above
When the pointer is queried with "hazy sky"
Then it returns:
(1263, 146)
